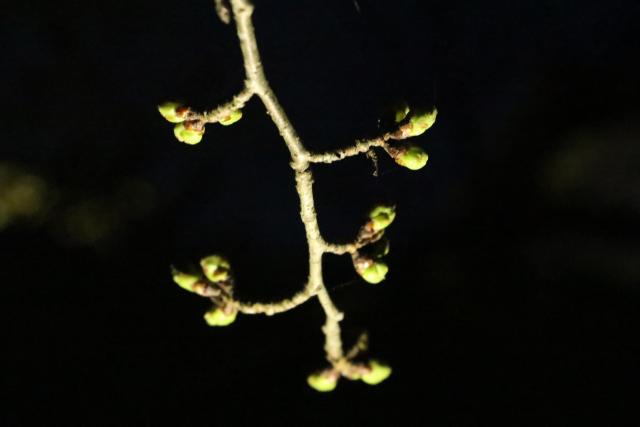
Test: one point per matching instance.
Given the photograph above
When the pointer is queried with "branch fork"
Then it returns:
(216, 282)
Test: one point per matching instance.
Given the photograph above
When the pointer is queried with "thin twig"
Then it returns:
(361, 345)
(366, 236)
(223, 110)
(360, 147)
(276, 307)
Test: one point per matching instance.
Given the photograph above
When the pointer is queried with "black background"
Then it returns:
(513, 292)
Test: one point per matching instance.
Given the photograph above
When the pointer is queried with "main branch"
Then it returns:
(258, 83)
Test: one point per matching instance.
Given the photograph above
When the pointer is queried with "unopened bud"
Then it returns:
(188, 133)
(323, 381)
(375, 272)
(422, 121)
(382, 216)
(417, 124)
(173, 112)
(185, 281)
(233, 117)
(217, 317)
(378, 372)
(215, 268)
(411, 157)
(401, 113)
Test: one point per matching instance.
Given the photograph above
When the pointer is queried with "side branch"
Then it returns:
(348, 248)
(224, 110)
(361, 146)
(366, 236)
(276, 307)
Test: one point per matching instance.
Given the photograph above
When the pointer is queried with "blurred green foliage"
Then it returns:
(22, 194)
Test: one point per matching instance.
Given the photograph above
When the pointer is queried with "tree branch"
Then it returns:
(216, 282)
(257, 81)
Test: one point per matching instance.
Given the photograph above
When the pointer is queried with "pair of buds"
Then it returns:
(372, 372)
(216, 284)
(411, 156)
(370, 265)
(190, 131)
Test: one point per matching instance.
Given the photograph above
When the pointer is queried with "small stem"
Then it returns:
(331, 328)
(366, 236)
(276, 307)
(224, 110)
(348, 248)
(360, 346)
(361, 146)
(341, 249)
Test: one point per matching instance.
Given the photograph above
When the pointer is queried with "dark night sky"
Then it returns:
(514, 290)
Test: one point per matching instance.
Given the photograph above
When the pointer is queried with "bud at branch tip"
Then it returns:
(378, 372)
(187, 133)
(184, 280)
(216, 268)
(382, 216)
(173, 112)
(323, 381)
(375, 273)
(411, 157)
(217, 317)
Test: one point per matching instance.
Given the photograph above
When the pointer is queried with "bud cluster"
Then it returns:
(187, 129)
(214, 282)
(411, 156)
(368, 262)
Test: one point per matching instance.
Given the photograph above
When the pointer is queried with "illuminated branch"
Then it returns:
(215, 281)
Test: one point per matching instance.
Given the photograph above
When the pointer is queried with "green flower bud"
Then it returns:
(215, 268)
(187, 135)
(233, 117)
(401, 113)
(378, 372)
(185, 281)
(173, 112)
(421, 122)
(217, 317)
(375, 273)
(382, 216)
(323, 381)
(412, 157)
